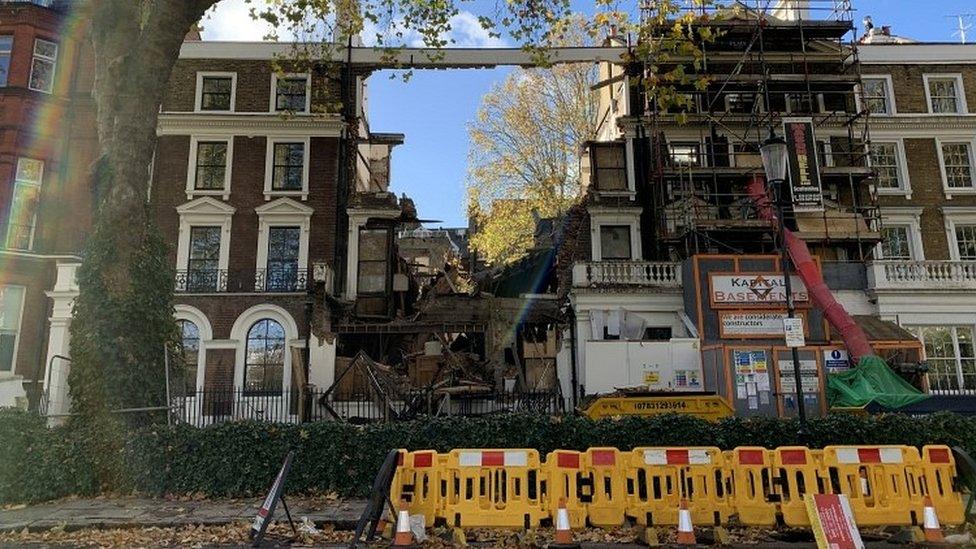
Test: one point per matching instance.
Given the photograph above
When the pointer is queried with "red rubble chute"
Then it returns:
(838, 317)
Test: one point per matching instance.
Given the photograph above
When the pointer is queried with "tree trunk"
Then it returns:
(123, 315)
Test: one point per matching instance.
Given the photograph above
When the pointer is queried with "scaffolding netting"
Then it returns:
(871, 381)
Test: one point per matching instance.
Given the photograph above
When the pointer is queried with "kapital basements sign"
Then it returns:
(735, 290)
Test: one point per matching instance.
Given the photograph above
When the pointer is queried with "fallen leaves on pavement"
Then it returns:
(186, 536)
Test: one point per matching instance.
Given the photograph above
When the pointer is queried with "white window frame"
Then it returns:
(953, 327)
(20, 329)
(950, 191)
(204, 212)
(287, 76)
(191, 170)
(269, 166)
(198, 96)
(961, 106)
(283, 212)
(616, 216)
(238, 336)
(52, 60)
(194, 315)
(956, 216)
(905, 217)
(904, 182)
(13, 196)
(889, 93)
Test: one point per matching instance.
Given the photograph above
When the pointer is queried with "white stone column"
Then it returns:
(59, 343)
(321, 372)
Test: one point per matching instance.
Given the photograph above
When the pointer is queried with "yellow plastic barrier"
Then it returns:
(659, 478)
(751, 469)
(492, 488)
(605, 471)
(883, 483)
(939, 467)
(564, 479)
(416, 481)
(796, 473)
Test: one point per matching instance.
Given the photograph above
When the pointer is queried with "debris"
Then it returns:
(307, 527)
(965, 539)
(418, 528)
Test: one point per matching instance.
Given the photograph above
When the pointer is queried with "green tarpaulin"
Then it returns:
(871, 381)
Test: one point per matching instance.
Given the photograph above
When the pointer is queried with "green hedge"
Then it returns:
(240, 459)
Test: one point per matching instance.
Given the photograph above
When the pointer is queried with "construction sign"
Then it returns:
(801, 147)
(261, 520)
(833, 522)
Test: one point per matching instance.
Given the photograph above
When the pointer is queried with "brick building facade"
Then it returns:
(921, 98)
(47, 142)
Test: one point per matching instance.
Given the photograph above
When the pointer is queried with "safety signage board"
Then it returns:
(836, 360)
(748, 324)
(833, 522)
(808, 376)
(801, 149)
(793, 329)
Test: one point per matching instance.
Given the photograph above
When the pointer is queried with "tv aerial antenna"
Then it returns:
(962, 25)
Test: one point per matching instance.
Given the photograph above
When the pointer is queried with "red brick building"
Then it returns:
(47, 142)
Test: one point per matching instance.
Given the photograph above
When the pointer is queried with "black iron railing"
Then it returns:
(201, 281)
(281, 280)
(212, 406)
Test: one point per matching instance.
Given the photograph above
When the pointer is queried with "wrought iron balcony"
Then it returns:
(281, 280)
(651, 274)
(201, 281)
(922, 275)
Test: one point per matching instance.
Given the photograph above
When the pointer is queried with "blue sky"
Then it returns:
(433, 107)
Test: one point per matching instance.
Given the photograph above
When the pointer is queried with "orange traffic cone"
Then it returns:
(686, 532)
(931, 526)
(564, 533)
(403, 536)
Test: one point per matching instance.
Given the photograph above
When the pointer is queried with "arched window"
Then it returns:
(264, 357)
(190, 337)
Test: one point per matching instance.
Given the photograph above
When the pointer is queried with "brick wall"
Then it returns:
(246, 193)
(909, 88)
(58, 129)
(924, 171)
(253, 84)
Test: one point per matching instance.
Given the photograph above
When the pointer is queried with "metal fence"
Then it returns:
(213, 406)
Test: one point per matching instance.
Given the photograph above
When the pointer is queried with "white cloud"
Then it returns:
(466, 32)
(231, 20)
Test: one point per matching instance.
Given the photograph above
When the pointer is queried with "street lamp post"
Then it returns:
(774, 158)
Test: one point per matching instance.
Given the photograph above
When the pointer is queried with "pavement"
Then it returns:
(76, 514)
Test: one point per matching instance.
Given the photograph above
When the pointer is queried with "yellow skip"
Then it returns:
(710, 407)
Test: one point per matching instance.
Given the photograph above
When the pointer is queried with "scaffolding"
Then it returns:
(772, 60)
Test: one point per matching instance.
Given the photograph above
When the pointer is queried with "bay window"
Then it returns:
(950, 354)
